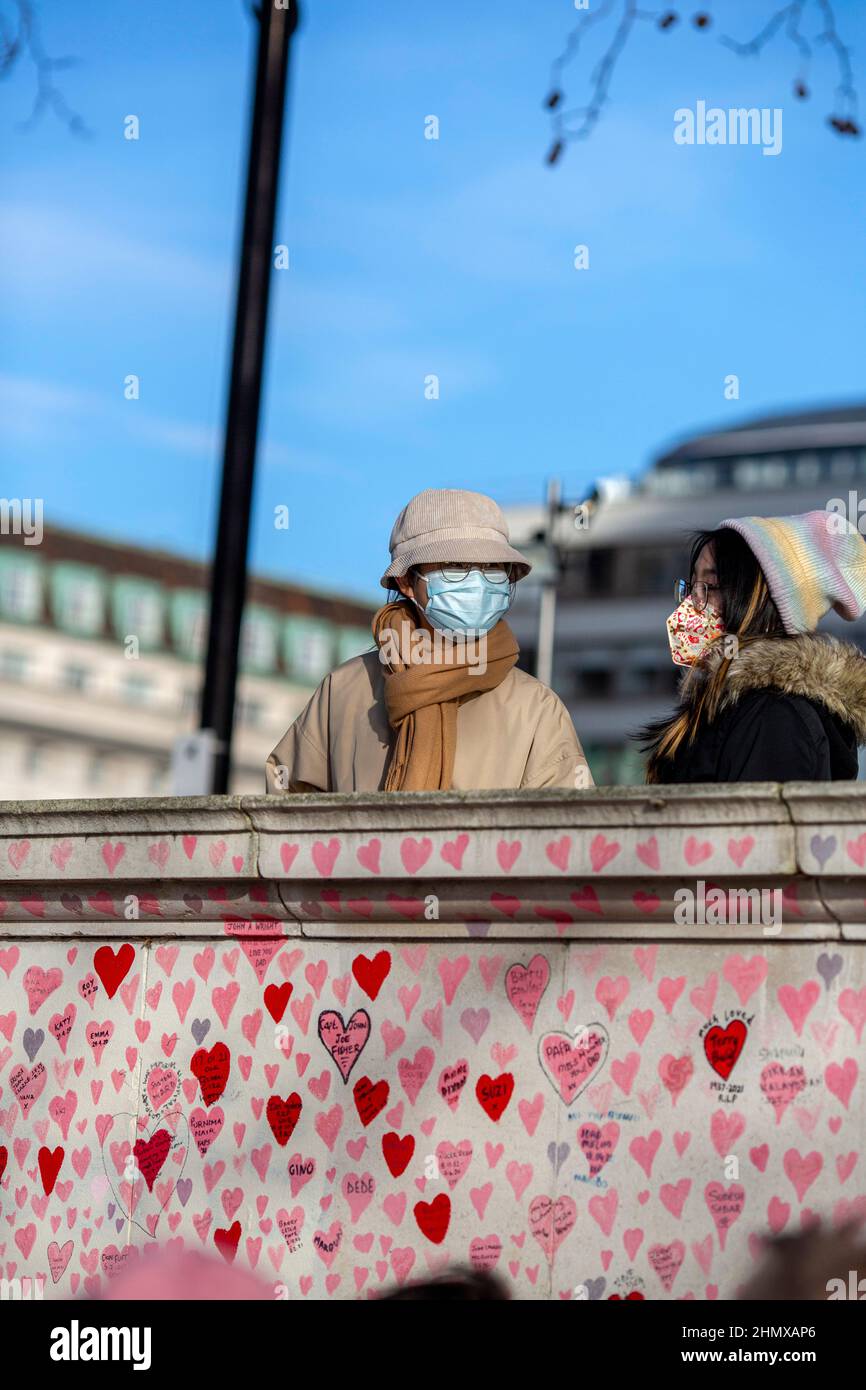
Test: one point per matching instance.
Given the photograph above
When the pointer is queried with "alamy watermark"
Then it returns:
(22, 516)
(77, 1343)
(854, 1290)
(415, 646)
(736, 126)
(719, 907)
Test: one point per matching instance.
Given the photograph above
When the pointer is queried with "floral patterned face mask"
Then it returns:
(690, 630)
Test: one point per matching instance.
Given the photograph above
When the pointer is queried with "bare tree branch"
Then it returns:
(788, 17)
(588, 115)
(20, 40)
(844, 123)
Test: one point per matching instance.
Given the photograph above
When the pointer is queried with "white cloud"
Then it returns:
(51, 252)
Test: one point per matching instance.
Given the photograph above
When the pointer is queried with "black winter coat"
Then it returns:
(793, 710)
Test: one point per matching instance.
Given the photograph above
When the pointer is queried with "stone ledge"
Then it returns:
(545, 864)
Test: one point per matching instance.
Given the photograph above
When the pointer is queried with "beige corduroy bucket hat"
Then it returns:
(447, 523)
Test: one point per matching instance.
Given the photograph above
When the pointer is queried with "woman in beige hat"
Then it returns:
(439, 701)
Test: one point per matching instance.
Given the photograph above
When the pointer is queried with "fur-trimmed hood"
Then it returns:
(817, 666)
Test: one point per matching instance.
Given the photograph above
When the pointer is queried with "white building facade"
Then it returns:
(101, 665)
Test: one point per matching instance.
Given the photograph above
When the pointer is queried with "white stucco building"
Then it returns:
(101, 664)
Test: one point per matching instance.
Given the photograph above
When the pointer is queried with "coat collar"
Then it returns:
(818, 667)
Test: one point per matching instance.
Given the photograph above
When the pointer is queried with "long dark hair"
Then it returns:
(749, 613)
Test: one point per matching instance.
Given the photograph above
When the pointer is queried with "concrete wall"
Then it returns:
(346, 1040)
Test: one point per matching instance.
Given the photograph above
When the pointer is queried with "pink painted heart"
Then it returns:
(696, 851)
(558, 852)
(572, 1062)
(344, 1041)
(674, 1197)
(598, 1143)
(841, 1080)
(725, 1206)
(551, 1221)
(780, 1086)
(524, 987)
(802, 1170)
(507, 853)
(675, 1073)
(413, 1072)
(667, 1261)
(288, 854)
(27, 1086)
(611, 993)
(368, 855)
(640, 1021)
(453, 1160)
(451, 972)
(358, 1190)
(798, 1003)
(669, 991)
(325, 856)
(704, 996)
(452, 851)
(415, 853)
(603, 1210)
(624, 1072)
(682, 1139)
(645, 959)
(602, 851)
(452, 1081)
(39, 984)
(60, 854)
(485, 1252)
(852, 1007)
(644, 1149)
(739, 850)
(648, 852)
(745, 975)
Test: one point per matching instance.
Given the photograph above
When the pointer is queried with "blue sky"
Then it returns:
(408, 257)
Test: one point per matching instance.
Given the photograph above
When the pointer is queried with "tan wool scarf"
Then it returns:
(422, 696)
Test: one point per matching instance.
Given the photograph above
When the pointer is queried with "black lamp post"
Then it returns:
(278, 20)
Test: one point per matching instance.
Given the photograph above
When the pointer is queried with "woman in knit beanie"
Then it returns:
(763, 697)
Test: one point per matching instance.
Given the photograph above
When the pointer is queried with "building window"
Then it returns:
(601, 570)
(259, 640)
(751, 473)
(96, 769)
(248, 711)
(78, 598)
(158, 775)
(592, 685)
(190, 699)
(75, 677)
(137, 689)
(807, 469)
(654, 571)
(704, 477)
(13, 665)
(21, 583)
(34, 755)
(843, 464)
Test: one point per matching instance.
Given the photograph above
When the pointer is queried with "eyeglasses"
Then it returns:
(699, 592)
(494, 574)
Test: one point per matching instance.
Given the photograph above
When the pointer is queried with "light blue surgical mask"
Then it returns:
(468, 601)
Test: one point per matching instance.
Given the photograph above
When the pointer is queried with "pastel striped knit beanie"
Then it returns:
(812, 563)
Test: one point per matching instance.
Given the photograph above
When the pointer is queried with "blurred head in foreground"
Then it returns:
(184, 1275)
(457, 1286)
(811, 1266)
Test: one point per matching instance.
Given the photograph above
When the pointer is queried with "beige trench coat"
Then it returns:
(518, 735)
